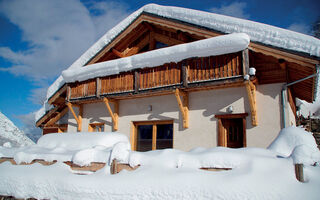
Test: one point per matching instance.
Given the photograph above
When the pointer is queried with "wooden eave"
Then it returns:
(50, 115)
(55, 98)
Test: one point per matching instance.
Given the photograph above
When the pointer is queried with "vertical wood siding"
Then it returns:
(197, 70)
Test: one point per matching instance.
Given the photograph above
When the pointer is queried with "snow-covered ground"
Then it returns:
(171, 174)
(10, 135)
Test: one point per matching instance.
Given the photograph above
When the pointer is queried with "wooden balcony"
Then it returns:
(182, 74)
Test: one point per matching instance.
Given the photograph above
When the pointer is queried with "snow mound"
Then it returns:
(80, 148)
(309, 109)
(297, 143)
(83, 140)
(218, 157)
(10, 133)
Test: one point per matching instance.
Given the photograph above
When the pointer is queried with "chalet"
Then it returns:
(172, 77)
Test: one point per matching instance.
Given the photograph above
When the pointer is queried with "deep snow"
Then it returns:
(173, 174)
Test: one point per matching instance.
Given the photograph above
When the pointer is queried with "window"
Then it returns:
(153, 135)
(96, 127)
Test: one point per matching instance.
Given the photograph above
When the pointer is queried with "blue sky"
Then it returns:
(40, 38)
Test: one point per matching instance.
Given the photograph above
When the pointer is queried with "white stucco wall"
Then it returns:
(203, 106)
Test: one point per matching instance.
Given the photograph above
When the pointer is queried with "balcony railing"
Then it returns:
(185, 72)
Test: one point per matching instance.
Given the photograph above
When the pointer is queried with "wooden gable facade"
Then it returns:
(149, 32)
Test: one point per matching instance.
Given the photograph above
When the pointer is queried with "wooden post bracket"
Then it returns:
(251, 90)
(183, 106)
(114, 115)
(77, 118)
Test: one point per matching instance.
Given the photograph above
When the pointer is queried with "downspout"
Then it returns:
(285, 86)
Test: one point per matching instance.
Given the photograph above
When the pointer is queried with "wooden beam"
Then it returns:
(152, 41)
(117, 53)
(183, 106)
(68, 93)
(154, 137)
(56, 95)
(80, 117)
(148, 26)
(46, 116)
(98, 87)
(185, 75)
(114, 115)
(167, 40)
(136, 81)
(57, 117)
(130, 51)
(75, 116)
(251, 90)
(290, 57)
(245, 62)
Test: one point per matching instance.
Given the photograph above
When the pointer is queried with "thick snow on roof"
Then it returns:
(209, 47)
(169, 174)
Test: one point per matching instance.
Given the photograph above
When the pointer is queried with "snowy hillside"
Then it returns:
(10, 133)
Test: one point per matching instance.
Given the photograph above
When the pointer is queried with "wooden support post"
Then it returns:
(68, 93)
(251, 90)
(154, 137)
(245, 62)
(152, 41)
(114, 166)
(78, 119)
(136, 81)
(114, 115)
(183, 106)
(185, 75)
(98, 87)
(298, 168)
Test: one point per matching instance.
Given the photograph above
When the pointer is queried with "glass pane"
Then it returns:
(164, 136)
(144, 138)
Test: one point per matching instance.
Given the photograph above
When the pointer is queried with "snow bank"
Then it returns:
(80, 140)
(81, 148)
(209, 47)
(297, 143)
(218, 157)
(259, 175)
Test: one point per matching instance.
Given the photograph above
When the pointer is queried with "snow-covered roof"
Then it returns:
(258, 32)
